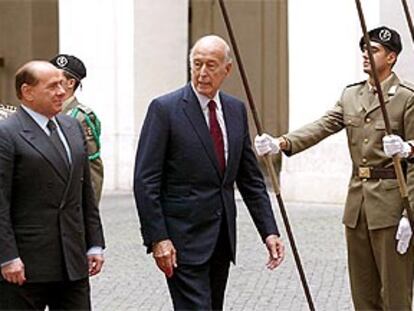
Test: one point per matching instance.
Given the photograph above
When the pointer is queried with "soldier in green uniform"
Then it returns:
(378, 235)
(74, 71)
(6, 110)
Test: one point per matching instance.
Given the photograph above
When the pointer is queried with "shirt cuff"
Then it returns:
(9, 262)
(95, 250)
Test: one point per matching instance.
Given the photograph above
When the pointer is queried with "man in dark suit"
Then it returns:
(51, 235)
(194, 147)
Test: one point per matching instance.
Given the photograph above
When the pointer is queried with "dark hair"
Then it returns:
(70, 76)
(25, 75)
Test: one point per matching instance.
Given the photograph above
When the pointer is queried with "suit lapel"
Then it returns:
(229, 119)
(195, 115)
(38, 139)
(71, 135)
(72, 138)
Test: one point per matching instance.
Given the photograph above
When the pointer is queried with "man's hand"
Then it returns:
(165, 256)
(394, 145)
(265, 144)
(403, 235)
(13, 272)
(276, 251)
(95, 263)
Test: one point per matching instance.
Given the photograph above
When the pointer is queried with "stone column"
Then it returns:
(133, 50)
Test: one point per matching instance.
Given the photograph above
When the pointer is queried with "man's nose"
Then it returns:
(61, 91)
(203, 69)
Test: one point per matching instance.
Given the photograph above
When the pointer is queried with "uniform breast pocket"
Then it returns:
(380, 126)
(352, 123)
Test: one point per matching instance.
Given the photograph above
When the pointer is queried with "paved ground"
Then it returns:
(130, 280)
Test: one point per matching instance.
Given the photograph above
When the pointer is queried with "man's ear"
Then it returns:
(228, 67)
(26, 91)
(391, 58)
(71, 83)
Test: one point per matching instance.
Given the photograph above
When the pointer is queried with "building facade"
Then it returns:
(298, 57)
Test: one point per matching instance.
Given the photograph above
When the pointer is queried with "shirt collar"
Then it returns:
(67, 102)
(204, 100)
(40, 119)
(386, 85)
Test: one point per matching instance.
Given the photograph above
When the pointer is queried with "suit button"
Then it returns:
(368, 120)
(218, 212)
(366, 140)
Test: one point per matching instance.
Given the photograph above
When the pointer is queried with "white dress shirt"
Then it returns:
(42, 121)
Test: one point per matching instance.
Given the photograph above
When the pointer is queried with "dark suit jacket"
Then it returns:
(179, 190)
(48, 214)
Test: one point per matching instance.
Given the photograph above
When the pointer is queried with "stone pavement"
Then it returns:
(131, 281)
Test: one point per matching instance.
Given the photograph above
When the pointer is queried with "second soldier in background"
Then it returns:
(74, 71)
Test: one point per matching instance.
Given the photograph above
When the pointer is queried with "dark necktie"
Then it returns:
(216, 135)
(57, 142)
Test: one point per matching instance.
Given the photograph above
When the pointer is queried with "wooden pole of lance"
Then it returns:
(408, 17)
(268, 159)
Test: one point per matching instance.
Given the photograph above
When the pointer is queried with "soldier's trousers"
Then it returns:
(381, 278)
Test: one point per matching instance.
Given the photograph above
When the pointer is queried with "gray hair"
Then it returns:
(227, 50)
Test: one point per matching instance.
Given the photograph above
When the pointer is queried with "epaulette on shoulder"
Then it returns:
(356, 83)
(8, 108)
(85, 109)
(407, 85)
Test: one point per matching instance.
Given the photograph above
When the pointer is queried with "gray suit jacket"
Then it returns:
(48, 214)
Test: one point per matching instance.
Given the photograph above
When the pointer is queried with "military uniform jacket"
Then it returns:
(365, 128)
(96, 165)
(6, 111)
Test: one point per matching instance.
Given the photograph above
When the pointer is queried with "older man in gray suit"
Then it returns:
(51, 236)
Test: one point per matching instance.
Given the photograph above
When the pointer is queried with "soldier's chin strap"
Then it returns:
(374, 75)
(267, 158)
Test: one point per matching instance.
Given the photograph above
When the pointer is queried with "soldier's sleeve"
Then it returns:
(409, 136)
(307, 136)
(91, 128)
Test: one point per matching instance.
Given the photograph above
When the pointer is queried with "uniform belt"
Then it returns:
(375, 172)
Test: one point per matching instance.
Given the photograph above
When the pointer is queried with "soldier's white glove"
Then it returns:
(403, 235)
(393, 144)
(265, 144)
